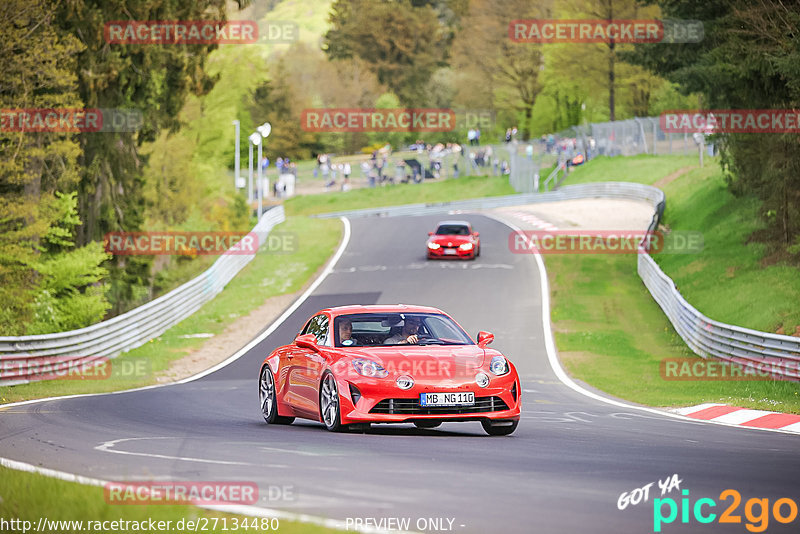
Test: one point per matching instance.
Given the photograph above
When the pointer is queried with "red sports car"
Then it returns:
(356, 365)
(454, 239)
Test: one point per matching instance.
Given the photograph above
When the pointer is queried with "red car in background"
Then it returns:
(356, 365)
(454, 239)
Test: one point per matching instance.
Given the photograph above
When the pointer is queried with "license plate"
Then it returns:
(450, 251)
(462, 398)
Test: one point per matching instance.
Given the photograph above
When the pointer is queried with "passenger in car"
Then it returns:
(346, 333)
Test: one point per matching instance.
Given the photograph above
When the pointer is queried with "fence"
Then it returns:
(640, 135)
(24, 357)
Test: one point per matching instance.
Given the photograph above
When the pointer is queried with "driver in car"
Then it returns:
(408, 335)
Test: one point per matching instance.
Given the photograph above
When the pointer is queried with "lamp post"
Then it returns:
(250, 163)
(255, 139)
(236, 157)
(263, 132)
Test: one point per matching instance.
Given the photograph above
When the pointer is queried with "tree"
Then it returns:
(154, 79)
(402, 44)
(496, 69)
(748, 60)
(34, 166)
(599, 63)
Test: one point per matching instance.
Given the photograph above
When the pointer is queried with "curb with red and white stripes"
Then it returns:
(732, 415)
(533, 220)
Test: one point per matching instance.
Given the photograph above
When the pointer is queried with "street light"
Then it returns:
(255, 138)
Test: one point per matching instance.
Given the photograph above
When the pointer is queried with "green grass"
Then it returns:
(394, 195)
(269, 274)
(29, 497)
(611, 333)
(642, 169)
(729, 280)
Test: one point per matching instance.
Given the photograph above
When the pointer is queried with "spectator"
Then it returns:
(471, 137)
(346, 170)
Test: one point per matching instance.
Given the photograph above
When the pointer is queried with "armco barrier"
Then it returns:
(706, 337)
(22, 358)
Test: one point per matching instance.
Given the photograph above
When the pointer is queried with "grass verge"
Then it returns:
(58, 500)
(612, 334)
(269, 274)
(398, 194)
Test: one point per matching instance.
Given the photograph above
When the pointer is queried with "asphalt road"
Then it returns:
(561, 472)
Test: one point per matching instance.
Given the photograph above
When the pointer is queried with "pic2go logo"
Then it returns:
(756, 511)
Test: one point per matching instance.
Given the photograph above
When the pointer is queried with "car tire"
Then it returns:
(427, 424)
(268, 399)
(499, 428)
(478, 252)
(330, 406)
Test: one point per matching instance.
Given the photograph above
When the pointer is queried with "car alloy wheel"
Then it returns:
(329, 406)
(268, 400)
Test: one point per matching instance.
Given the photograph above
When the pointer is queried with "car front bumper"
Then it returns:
(381, 401)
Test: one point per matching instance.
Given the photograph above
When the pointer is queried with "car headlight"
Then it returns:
(369, 369)
(434, 246)
(482, 380)
(465, 246)
(499, 365)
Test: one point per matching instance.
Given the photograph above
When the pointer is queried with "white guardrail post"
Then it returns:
(24, 357)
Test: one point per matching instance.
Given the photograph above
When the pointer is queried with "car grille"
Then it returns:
(411, 406)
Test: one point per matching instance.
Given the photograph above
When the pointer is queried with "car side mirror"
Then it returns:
(477, 234)
(430, 233)
(306, 341)
(484, 338)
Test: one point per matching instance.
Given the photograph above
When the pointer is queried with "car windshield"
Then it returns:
(452, 229)
(386, 329)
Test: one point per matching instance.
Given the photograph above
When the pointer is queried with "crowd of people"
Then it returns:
(380, 169)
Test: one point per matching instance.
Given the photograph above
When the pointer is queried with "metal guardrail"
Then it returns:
(25, 357)
(711, 339)
(706, 337)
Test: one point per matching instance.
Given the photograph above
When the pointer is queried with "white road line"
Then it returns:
(108, 446)
(241, 509)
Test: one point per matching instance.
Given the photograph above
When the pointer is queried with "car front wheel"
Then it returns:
(330, 410)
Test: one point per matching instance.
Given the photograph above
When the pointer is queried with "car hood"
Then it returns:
(425, 362)
(444, 240)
